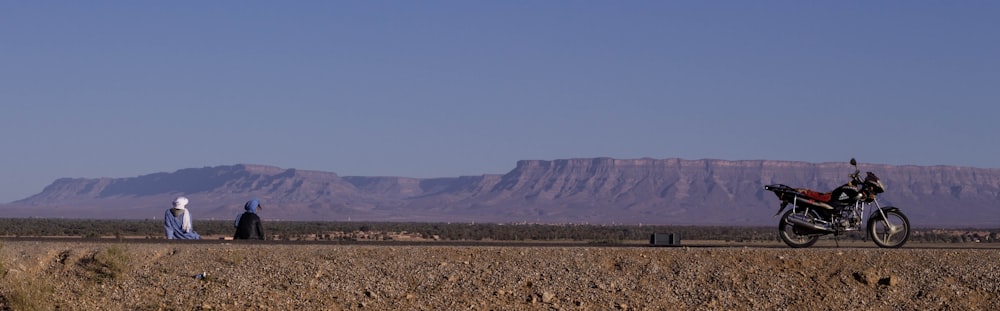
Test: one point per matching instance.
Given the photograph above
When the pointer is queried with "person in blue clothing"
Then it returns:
(177, 221)
(248, 225)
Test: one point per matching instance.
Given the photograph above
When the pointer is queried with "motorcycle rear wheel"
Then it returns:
(892, 231)
(793, 236)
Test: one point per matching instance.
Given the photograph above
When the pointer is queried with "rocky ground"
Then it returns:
(241, 276)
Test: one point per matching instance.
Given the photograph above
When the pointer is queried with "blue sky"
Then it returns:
(448, 88)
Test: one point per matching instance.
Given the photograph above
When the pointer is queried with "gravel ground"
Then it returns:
(240, 276)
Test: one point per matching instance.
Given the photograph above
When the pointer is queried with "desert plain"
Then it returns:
(233, 275)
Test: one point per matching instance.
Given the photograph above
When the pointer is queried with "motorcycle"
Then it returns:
(815, 214)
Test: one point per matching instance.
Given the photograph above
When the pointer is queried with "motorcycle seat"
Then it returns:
(816, 195)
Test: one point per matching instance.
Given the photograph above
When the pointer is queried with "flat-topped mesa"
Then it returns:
(267, 170)
(582, 162)
(260, 169)
(669, 162)
(595, 190)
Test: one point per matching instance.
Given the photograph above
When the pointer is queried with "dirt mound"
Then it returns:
(237, 276)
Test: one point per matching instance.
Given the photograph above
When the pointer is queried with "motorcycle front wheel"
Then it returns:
(793, 236)
(890, 231)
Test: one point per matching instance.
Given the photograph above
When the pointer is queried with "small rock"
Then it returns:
(548, 297)
(891, 280)
(866, 277)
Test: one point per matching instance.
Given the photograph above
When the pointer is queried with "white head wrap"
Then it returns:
(181, 203)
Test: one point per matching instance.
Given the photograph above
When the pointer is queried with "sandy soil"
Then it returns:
(241, 276)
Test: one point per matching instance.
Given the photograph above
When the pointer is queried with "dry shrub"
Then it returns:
(234, 258)
(110, 263)
(3, 270)
(29, 294)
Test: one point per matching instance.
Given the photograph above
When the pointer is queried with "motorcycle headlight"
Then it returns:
(876, 186)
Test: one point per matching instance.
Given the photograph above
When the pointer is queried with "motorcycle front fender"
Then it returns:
(879, 212)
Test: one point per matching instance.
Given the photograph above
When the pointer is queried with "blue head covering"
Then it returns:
(252, 205)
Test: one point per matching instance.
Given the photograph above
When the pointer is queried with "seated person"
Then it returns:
(248, 225)
(177, 221)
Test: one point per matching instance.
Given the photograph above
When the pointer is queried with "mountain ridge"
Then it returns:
(576, 190)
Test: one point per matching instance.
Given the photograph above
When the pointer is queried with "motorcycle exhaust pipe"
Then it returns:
(804, 222)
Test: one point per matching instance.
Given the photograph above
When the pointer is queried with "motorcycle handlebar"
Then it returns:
(855, 176)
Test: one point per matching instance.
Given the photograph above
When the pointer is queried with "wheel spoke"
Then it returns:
(889, 230)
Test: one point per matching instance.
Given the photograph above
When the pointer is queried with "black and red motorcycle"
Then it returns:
(815, 214)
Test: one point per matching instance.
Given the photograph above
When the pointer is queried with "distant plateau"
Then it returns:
(584, 190)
